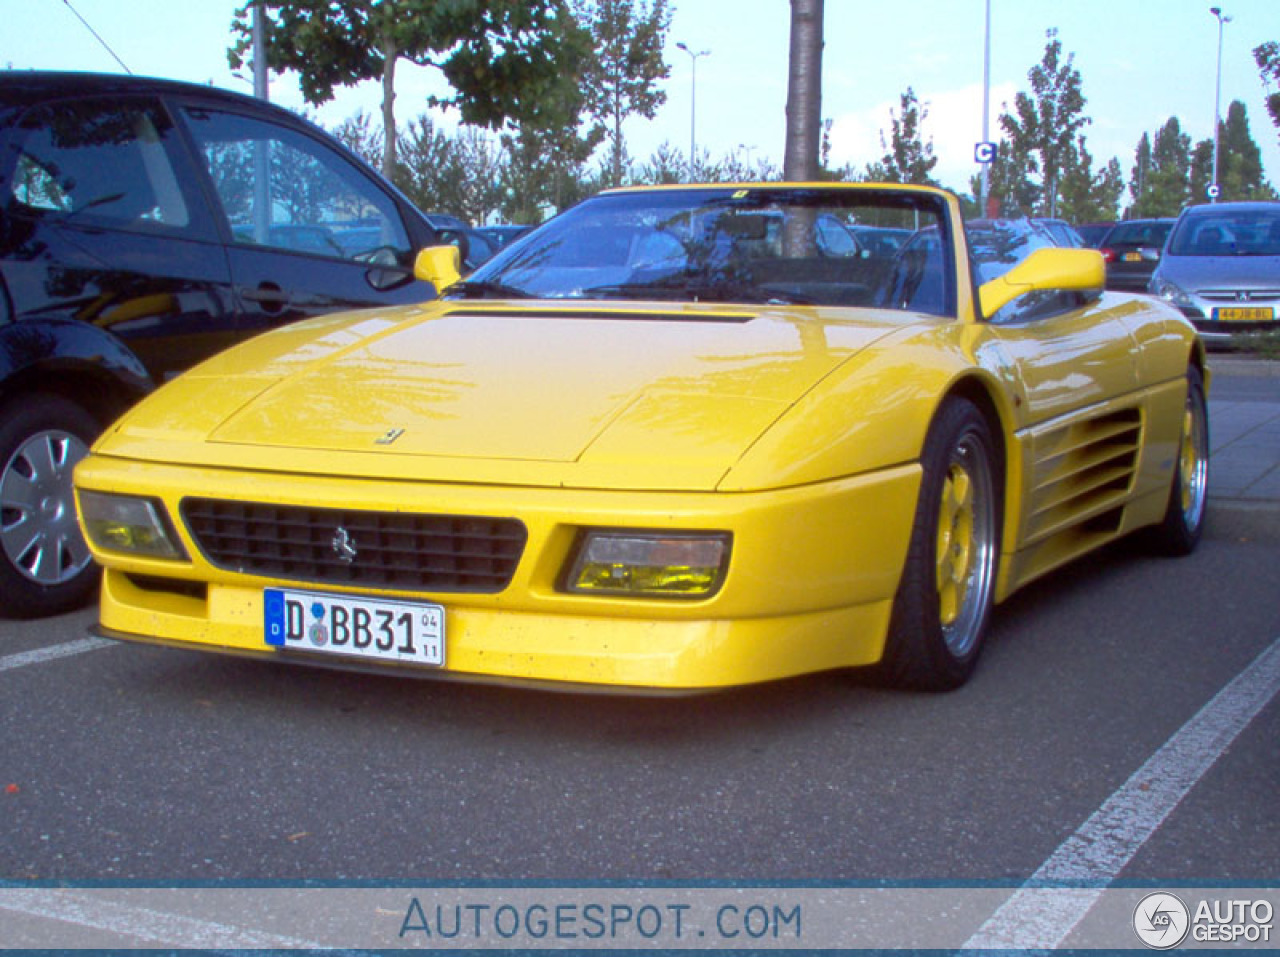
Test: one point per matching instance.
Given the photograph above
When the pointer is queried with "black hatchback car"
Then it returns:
(1132, 251)
(144, 225)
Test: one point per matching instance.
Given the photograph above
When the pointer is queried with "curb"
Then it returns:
(1243, 366)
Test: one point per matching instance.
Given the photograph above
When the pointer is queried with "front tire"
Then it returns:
(45, 565)
(944, 600)
(1179, 533)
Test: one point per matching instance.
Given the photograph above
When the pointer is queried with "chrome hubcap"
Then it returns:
(965, 552)
(1193, 463)
(38, 529)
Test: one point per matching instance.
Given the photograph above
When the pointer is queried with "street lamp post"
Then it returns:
(693, 102)
(1214, 189)
(983, 200)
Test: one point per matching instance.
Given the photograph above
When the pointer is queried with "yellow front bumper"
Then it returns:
(809, 585)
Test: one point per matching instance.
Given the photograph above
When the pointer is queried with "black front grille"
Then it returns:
(391, 549)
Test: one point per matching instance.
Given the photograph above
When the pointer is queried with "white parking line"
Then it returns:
(1040, 917)
(134, 924)
(24, 658)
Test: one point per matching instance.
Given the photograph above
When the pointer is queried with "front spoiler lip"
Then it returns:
(350, 665)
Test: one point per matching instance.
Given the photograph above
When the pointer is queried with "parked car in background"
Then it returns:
(1093, 233)
(1064, 234)
(144, 225)
(880, 240)
(502, 235)
(476, 246)
(1132, 252)
(1221, 267)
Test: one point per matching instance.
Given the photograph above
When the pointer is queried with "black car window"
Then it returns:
(1139, 234)
(101, 162)
(282, 189)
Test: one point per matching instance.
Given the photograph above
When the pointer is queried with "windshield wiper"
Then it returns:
(483, 289)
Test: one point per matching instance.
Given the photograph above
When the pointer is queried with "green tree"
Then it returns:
(620, 76)
(545, 169)
(1166, 186)
(1240, 172)
(1086, 195)
(473, 188)
(361, 135)
(804, 92)
(503, 58)
(666, 165)
(1201, 175)
(1012, 190)
(426, 162)
(742, 167)
(1267, 56)
(907, 158)
(1141, 172)
(1045, 124)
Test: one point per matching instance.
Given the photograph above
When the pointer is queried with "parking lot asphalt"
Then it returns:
(1244, 432)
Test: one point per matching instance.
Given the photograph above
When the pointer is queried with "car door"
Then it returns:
(1065, 353)
(308, 230)
(105, 224)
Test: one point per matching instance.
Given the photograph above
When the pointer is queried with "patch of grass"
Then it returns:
(1264, 345)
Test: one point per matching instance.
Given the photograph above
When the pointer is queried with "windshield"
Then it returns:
(762, 244)
(1228, 232)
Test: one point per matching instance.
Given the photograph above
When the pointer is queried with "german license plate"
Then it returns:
(1245, 313)
(357, 626)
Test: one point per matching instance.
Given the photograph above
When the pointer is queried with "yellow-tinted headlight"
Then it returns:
(650, 565)
(134, 526)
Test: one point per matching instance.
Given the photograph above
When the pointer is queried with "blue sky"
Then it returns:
(1141, 62)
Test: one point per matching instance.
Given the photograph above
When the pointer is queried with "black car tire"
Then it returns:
(944, 600)
(45, 565)
(1179, 533)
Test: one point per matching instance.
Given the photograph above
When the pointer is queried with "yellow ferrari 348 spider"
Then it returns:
(677, 438)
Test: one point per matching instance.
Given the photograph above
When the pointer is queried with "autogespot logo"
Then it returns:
(1161, 921)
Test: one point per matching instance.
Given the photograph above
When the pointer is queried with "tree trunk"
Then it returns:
(804, 92)
(389, 53)
(617, 137)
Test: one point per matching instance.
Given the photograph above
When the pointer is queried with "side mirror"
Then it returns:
(1047, 270)
(439, 265)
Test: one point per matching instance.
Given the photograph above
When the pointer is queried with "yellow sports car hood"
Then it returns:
(604, 398)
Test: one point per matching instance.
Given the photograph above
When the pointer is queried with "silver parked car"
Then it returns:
(1221, 267)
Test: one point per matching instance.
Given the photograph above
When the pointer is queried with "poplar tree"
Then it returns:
(1166, 186)
(908, 157)
(1045, 123)
(620, 76)
(1267, 56)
